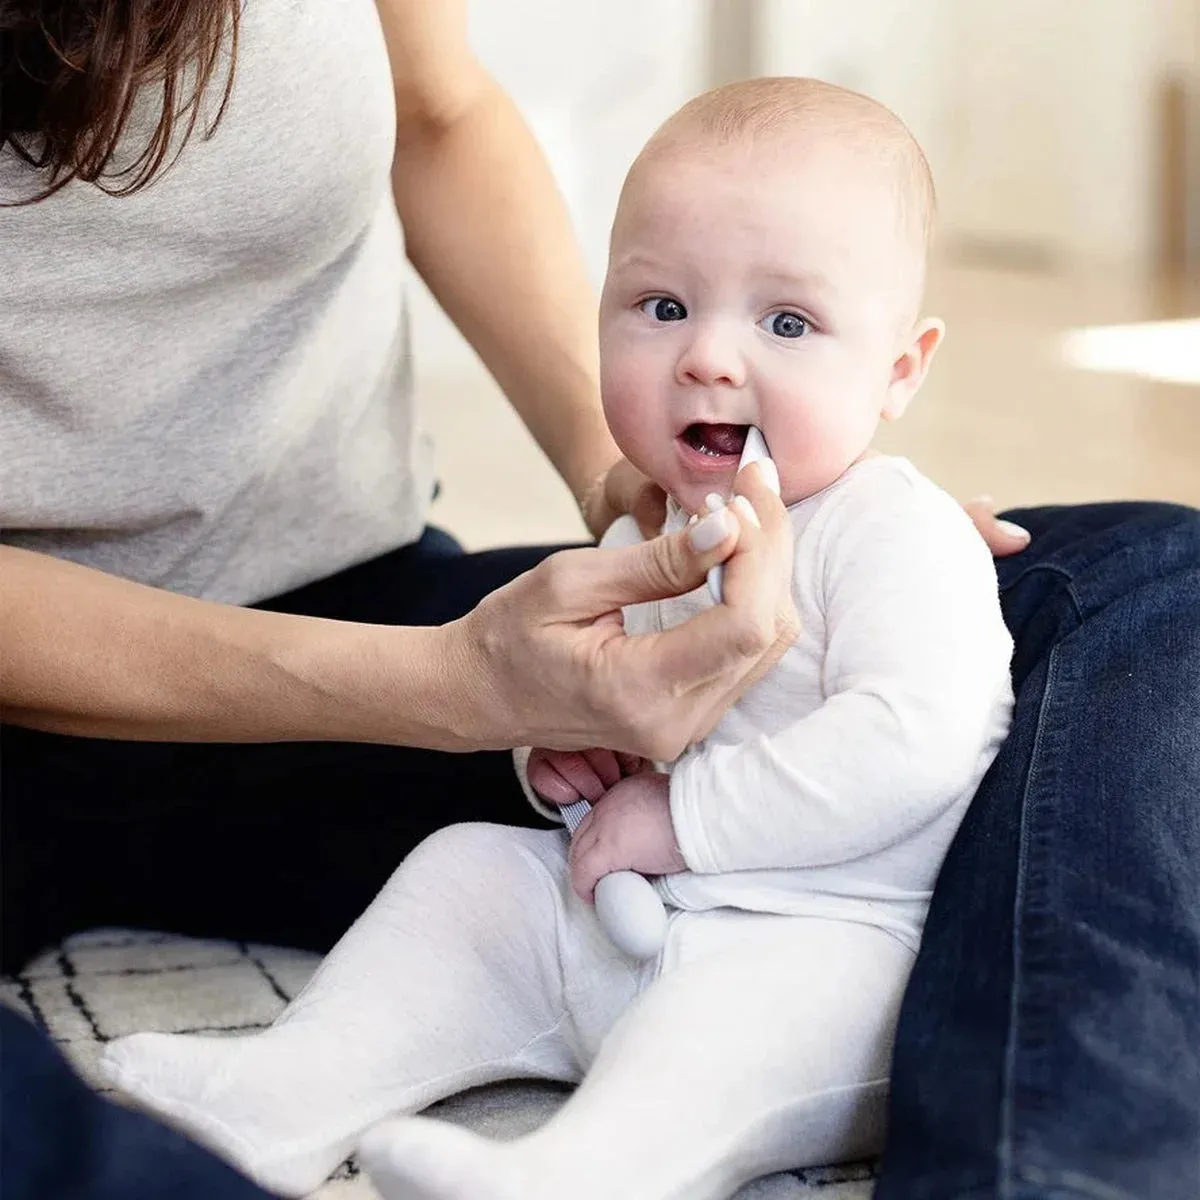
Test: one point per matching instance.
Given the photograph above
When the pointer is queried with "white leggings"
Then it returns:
(757, 1043)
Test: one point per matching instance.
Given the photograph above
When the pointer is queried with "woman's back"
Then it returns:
(205, 385)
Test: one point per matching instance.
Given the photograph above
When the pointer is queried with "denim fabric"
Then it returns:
(60, 1141)
(1049, 1044)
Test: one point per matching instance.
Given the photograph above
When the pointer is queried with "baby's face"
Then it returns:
(747, 286)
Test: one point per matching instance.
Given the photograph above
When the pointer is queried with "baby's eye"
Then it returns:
(663, 308)
(785, 324)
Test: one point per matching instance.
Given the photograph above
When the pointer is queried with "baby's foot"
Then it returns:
(252, 1100)
(417, 1158)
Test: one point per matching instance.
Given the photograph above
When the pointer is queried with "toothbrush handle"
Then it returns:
(716, 583)
(631, 913)
(755, 450)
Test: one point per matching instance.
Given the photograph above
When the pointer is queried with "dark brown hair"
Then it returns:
(70, 71)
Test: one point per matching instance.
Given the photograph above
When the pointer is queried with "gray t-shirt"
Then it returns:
(206, 385)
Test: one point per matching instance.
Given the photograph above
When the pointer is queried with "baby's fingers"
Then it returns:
(585, 859)
(566, 776)
(605, 766)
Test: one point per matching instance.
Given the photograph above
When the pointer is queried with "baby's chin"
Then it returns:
(691, 496)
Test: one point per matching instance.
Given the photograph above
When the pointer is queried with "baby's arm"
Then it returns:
(914, 676)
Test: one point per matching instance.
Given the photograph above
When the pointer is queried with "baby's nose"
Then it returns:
(712, 358)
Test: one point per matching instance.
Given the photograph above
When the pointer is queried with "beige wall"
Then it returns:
(593, 80)
(1040, 119)
(1039, 116)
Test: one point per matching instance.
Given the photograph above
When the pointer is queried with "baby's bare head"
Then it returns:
(811, 126)
(767, 268)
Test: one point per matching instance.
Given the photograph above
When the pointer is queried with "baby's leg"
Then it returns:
(450, 979)
(767, 1047)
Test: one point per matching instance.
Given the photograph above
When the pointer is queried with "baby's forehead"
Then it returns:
(756, 211)
(802, 184)
(806, 122)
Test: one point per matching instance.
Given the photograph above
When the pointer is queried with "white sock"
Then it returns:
(448, 980)
(417, 1158)
(249, 1099)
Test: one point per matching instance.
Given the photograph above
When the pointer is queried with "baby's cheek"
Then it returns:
(632, 414)
(811, 452)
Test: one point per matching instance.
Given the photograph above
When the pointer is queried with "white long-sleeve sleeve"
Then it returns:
(915, 655)
(849, 767)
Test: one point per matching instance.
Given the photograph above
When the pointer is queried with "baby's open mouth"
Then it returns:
(717, 441)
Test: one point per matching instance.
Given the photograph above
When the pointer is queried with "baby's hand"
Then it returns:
(564, 776)
(629, 830)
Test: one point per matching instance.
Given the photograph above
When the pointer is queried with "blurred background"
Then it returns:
(1065, 141)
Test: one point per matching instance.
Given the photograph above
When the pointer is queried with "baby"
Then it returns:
(767, 269)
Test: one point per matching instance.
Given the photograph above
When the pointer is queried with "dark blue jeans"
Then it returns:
(1049, 1044)
(1050, 1041)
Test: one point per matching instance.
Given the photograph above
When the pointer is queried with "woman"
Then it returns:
(209, 454)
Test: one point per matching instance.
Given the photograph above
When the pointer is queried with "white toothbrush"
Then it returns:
(627, 906)
(755, 450)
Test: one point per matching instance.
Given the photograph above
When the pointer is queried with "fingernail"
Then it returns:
(747, 510)
(984, 499)
(769, 473)
(1015, 531)
(710, 532)
(714, 501)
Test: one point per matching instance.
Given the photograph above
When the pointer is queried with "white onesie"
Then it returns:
(814, 820)
(834, 787)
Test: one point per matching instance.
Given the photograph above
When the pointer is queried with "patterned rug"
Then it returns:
(100, 985)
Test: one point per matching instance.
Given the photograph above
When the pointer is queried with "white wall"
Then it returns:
(593, 80)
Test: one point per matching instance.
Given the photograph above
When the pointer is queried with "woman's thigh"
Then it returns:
(279, 842)
(1047, 1043)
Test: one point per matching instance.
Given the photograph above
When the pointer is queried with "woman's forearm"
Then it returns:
(543, 661)
(489, 232)
(86, 653)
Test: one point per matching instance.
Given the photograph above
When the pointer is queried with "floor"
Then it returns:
(1001, 414)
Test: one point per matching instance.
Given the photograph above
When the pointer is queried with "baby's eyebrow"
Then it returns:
(810, 280)
(637, 260)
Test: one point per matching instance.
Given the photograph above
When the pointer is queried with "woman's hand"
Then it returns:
(624, 489)
(1002, 537)
(545, 661)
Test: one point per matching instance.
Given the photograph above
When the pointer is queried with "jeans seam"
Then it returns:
(1074, 1182)
(1007, 1116)
(1050, 569)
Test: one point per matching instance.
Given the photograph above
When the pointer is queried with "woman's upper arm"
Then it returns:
(435, 74)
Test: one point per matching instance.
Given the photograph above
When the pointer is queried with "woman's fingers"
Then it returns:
(626, 490)
(649, 509)
(706, 664)
(758, 617)
(547, 663)
(1002, 537)
(592, 582)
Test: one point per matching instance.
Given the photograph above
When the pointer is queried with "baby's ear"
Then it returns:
(909, 370)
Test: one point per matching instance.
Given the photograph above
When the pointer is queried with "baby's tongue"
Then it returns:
(718, 439)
